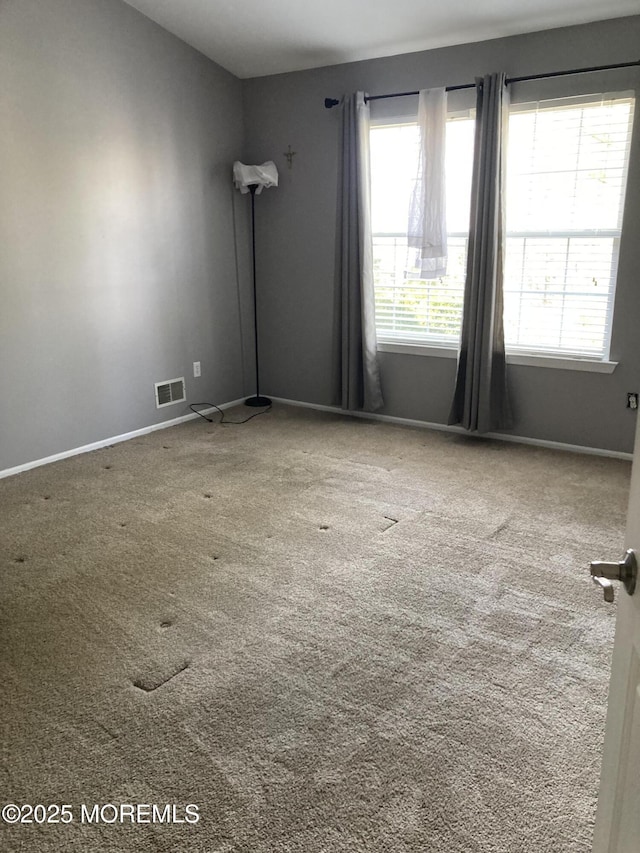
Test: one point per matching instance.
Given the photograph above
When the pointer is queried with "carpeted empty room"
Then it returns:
(326, 633)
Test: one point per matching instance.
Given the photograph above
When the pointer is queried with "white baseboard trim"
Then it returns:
(116, 439)
(516, 439)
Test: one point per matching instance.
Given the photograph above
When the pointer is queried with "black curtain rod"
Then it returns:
(332, 102)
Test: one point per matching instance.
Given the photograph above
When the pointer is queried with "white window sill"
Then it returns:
(526, 360)
(417, 349)
(562, 363)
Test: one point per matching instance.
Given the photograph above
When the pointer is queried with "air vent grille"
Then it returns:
(169, 392)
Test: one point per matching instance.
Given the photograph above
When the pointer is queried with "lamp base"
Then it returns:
(257, 402)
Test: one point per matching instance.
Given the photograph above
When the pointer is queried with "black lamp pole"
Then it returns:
(256, 401)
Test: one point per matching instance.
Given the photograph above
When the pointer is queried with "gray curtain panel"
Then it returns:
(359, 374)
(481, 400)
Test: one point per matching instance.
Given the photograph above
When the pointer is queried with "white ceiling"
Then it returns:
(252, 38)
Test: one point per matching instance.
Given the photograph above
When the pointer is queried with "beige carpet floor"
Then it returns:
(328, 634)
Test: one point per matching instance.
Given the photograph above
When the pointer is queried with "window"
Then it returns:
(408, 308)
(566, 176)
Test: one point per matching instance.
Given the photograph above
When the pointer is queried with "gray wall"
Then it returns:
(297, 225)
(117, 267)
(123, 241)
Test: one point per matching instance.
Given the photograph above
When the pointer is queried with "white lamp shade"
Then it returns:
(265, 175)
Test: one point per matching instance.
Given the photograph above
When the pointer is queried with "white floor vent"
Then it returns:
(169, 392)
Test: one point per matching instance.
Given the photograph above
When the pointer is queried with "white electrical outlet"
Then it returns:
(196, 369)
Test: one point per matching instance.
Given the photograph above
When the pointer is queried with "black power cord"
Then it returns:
(222, 417)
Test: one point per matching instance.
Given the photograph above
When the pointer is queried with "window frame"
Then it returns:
(405, 119)
(522, 355)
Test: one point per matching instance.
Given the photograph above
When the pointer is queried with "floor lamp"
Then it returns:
(253, 179)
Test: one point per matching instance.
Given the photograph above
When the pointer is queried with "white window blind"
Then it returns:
(566, 176)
